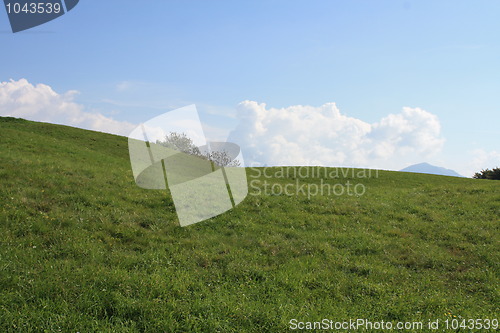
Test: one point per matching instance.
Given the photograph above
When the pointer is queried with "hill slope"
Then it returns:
(84, 249)
(431, 169)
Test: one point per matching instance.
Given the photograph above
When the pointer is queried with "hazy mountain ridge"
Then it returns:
(431, 169)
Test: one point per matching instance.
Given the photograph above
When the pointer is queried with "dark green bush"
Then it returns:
(488, 174)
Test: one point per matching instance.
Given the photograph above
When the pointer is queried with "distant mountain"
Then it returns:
(431, 169)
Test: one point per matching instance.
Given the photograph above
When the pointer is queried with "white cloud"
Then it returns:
(481, 159)
(124, 86)
(41, 103)
(306, 135)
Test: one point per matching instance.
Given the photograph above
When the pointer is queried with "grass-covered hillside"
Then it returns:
(83, 249)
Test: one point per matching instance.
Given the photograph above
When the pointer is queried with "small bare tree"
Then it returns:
(222, 159)
(181, 142)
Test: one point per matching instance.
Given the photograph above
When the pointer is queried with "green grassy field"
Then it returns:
(83, 249)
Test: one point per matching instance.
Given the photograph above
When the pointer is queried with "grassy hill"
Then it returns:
(84, 249)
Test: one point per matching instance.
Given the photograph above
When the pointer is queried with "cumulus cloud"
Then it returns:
(306, 135)
(41, 103)
(482, 159)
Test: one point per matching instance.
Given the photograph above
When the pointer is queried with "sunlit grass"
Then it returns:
(84, 249)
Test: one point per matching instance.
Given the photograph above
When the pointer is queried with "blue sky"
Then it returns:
(132, 60)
